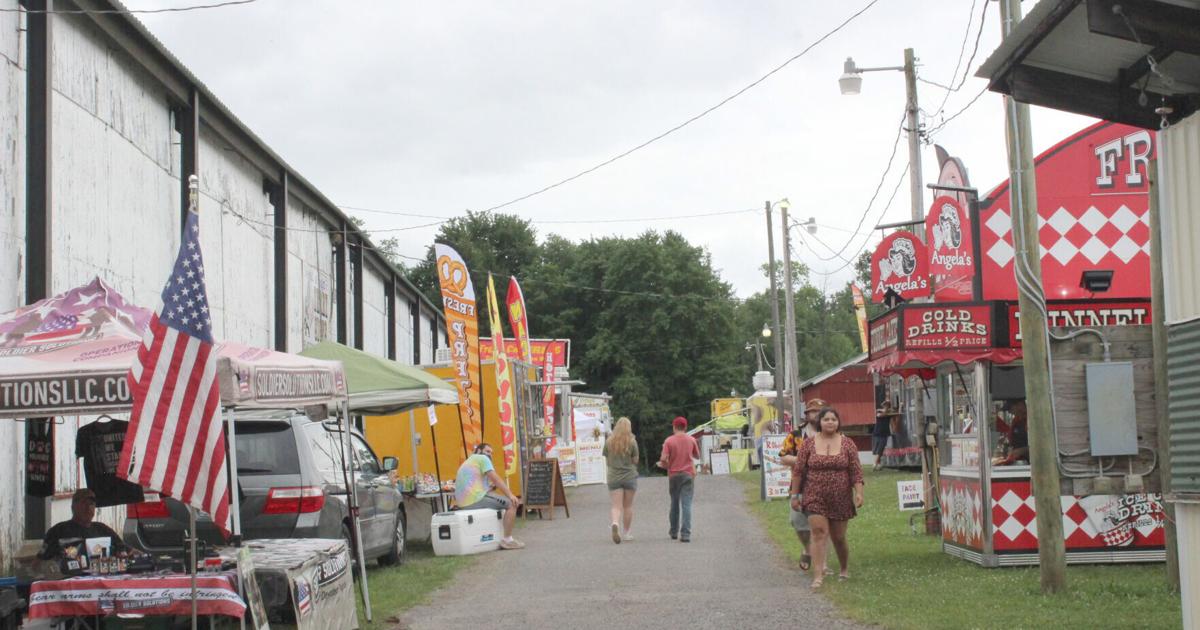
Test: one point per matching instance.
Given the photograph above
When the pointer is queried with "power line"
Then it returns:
(967, 70)
(852, 259)
(195, 7)
(956, 114)
(564, 221)
(691, 120)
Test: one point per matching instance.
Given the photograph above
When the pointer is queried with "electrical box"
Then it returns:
(1112, 419)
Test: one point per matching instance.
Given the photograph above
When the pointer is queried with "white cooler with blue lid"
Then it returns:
(465, 532)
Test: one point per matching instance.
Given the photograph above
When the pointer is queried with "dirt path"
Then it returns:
(572, 576)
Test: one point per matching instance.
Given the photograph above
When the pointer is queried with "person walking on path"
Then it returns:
(882, 431)
(473, 490)
(621, 457)
(678, 453)
(787, 457)
(828, 475)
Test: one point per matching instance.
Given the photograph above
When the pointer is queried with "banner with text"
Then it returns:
(951, 250)
(900, 264)
(462, 330)
(504, 385)
(518, 319)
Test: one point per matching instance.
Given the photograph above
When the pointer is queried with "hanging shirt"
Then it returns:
(99, 444)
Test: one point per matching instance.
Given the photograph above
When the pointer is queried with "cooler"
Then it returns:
(464, 532)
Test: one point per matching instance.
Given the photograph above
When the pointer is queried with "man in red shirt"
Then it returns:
(678, 453)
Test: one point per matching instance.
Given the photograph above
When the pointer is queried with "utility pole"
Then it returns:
(780, 364)
(916, 187)
(1043, 458)
(1159, 336)
(790, 311)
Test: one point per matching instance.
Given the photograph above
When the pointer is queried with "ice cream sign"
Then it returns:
(900, 264)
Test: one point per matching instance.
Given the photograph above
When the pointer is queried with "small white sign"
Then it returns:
(719, 462)
(912, 495)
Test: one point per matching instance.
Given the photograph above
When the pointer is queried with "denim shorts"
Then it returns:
(488, 502)
(629, 484)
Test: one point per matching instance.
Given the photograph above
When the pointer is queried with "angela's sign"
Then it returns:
(900, 264)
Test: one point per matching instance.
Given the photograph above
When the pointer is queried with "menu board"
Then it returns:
(543, 488)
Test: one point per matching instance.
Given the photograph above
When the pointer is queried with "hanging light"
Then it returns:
(766, 331)
(851, 80)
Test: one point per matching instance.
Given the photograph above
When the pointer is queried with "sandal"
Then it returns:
(805, 562)
(843, 577)
(817, 583)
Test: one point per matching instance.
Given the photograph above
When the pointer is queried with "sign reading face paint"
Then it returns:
(951, 251)
(900, 264)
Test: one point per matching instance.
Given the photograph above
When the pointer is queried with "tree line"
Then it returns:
(650, 320)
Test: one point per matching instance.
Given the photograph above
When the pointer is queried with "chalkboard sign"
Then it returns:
(543, 488)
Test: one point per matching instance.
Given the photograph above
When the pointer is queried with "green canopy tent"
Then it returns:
(381, 387)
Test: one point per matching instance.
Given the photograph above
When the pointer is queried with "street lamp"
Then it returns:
(850, 84)
(766, 331)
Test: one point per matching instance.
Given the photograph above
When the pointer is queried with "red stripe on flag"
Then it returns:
(159, 425)
(191, 390)
(210, 405)
(147, 357)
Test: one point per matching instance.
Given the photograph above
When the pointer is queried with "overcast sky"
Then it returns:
(436, 108)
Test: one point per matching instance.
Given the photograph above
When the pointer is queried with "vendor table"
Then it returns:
(309, 576)
(146, 594)
(439, 500)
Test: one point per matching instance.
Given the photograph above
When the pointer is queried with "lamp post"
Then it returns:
(850, 84)
(780, 360)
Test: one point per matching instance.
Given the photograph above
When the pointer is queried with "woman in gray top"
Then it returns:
(621, 455)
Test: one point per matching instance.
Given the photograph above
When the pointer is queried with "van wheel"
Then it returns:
(399, 550)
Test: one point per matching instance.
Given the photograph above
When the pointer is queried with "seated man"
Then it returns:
(80, 528)
(473, 487)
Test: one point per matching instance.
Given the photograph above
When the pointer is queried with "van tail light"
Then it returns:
(147, 509)
(294, 500)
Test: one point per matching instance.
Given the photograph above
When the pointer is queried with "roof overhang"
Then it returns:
(1093, 57)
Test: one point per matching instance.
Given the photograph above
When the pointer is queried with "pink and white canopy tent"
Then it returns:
(71, 354)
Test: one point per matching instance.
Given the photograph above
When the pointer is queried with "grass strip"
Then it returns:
(903, 580)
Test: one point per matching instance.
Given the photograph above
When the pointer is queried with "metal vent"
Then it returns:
(1183, 405)
(441, 356)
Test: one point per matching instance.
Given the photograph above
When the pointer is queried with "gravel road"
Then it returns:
(571, 575)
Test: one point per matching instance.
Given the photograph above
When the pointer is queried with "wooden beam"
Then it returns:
(389, 296)
(1071, 93)
(38, 151)
(187, 122)
(1153, 23)
(356, 266)
(278, 195)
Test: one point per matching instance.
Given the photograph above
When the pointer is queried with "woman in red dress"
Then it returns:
(828, 475)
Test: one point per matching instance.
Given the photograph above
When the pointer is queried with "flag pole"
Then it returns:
(192, 555)
(235, 508)
(352, 499)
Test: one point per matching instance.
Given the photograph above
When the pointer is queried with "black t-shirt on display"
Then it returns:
(99, 444)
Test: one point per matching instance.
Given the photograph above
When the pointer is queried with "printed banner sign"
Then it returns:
(504, 386)
(1088, 314)
(323, 593)
(911, 495)
(900, 264)
(860, 314)
(548, 403)
(462, 330)
(951, 250)
(777, 478)
(947, 327)
(1093, 213)
(557, 350)
(885, 334)
(962, 515)
(518, 319)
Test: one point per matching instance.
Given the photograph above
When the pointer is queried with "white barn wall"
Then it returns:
(427, 342)
(375, 329)
(115, 206)
(404, 330)
(12, 163)
(311, 313)
(235, 216)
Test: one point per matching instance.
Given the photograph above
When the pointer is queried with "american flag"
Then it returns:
(176, 443)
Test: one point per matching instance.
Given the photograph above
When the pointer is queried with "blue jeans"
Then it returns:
(681, 485)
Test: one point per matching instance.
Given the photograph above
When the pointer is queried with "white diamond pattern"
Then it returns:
(1001, 252)
(1124, 218)
(1093, 250)
(1062, 221)
(1093, 220)
(1063, 250)
(1011, 528)
(1125, 249)
(1000, 223)
(1010, 502)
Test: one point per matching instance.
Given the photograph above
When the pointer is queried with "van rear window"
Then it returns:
(266, 448)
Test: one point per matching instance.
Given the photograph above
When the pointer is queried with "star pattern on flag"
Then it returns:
(185, 302)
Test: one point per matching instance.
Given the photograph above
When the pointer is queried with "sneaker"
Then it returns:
(673, 535)
(627, 536)
(616, 533)
(512, 544)
(685, 539)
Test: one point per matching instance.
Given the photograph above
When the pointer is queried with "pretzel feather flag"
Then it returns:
(175, 443)
(504, 384)
(462, 328)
